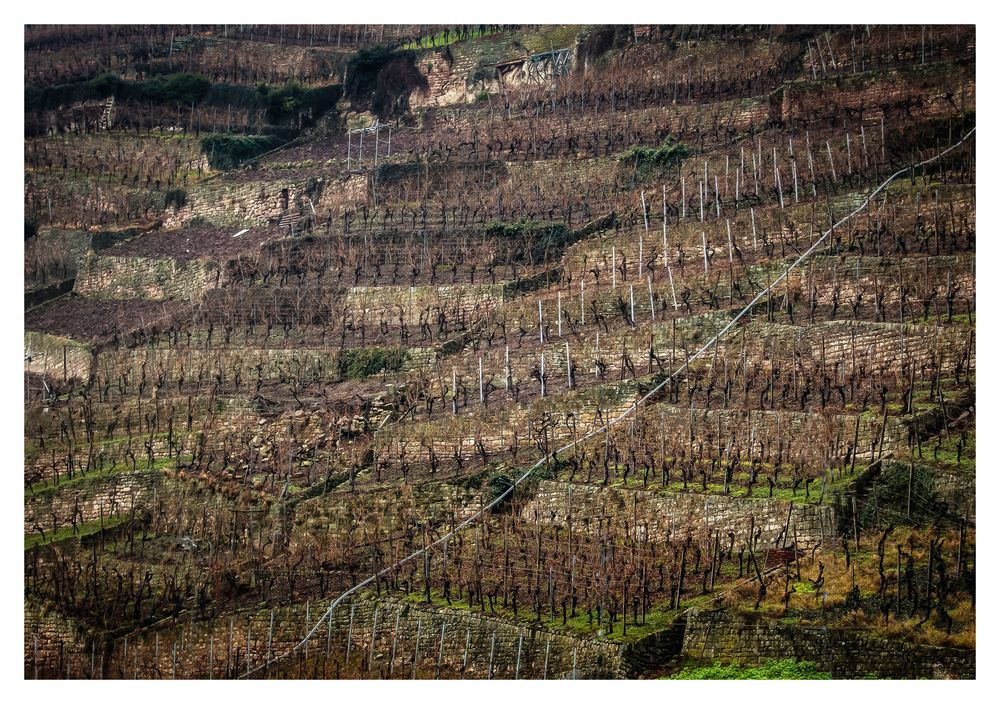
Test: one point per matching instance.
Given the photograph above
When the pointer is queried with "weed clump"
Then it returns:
(771, 670)
(366, 361)
(651, 163)
(228, 151)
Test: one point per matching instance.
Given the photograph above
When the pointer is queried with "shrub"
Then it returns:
(600, 40)
(176, 197)
(887, 500)
(366, 361)
(178, 88)
(322, 99)
(650, 163)
(238, 96)
(285, 104)
(105, 84)
(496, 484)
(381, 80)
(543, 238)
(228, 151)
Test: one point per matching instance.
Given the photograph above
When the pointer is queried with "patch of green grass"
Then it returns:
(577, 625)
(67, 532)
(64, 482)
(543, 39)
(658, 617)
(771, 670)
(946, 455)
(737, 485)
(445, 38)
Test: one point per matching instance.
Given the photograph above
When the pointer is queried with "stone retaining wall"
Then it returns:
(657, 516)
(125, 278)
(56, 357)
(718, 636)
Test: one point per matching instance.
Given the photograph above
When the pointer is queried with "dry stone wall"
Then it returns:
(930, 89)
(657, 516)
(91, 500)
(472, 300)
(56, 357)
(718, 636)
(407, 638)
(54, 645)
(124, 278)
(233, 202)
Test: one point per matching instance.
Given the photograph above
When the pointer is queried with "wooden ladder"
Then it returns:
(289, 220)
(109, 106)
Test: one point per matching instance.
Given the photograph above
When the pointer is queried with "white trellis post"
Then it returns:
(641, 258)
(541, 330)
(545, 667)
(465, 655)
(664, 218)
(493, 645)
(683, 200)
(350, 635)
(673, 294)
(395, 636)
(506, 365)
(517, 664)
(652, 307)
(559, 313)
(371, 647)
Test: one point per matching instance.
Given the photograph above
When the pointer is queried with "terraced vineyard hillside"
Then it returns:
(499, 352)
